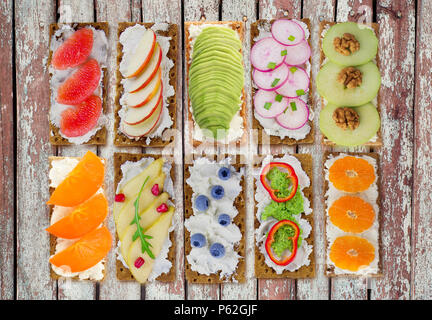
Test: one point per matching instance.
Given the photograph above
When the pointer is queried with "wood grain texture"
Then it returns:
(421, 261)
(7, 155)
(32, 21)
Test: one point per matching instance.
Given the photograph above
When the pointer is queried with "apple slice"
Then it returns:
(142, 55)
(137, 83)
(140, 98)
(135, 116)
(145, 127)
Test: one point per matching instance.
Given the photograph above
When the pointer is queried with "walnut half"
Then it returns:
(346, 118)
(350, 77)
(347, 44)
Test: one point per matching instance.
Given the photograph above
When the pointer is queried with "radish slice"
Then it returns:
(295, 115)
(266, 54)
(297, 83)
(287, 32)
(271, 80)
(266, 104)
(298, 54)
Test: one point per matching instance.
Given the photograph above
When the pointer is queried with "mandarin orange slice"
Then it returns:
(352, 253)
(352, 214)
(352, 174)
(85, 253)
(83, 219)
(81, 183)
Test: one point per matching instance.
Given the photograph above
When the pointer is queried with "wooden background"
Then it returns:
(406, 95)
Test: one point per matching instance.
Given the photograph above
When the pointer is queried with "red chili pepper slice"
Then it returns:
(294, 238)
(292, 175)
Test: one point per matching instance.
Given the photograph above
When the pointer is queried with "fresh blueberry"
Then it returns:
(217, 192)
(198, 240)
(224, 173)
(224, 219)
(201, 202)
(217, 250)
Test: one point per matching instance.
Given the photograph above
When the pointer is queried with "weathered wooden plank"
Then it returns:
(170, 11)
(235, 10)
(421, 280)
(32, 21)
(7, 158)
(114, 12)
(397, 49)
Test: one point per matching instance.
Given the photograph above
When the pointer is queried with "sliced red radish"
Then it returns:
(144, 127)
(137, 83)
(266, 54)
(271, 80)
(297, 83)
(268, 104)
(138, 115)
(142, 54)
(298, 54)
(141, 97)
(287, 32)
(295, 115)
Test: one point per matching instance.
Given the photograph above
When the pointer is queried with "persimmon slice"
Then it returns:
(83, 219)
(352, 253)
(85, 253)
(352, 174)
(81, 183)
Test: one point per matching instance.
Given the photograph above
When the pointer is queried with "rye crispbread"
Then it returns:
(324, 141)
(122, 272)
(168, 135)
(262, 270)
(239, 220)
(275, 140)
(238, 26)
(53, 239)
(99, 138)
(329, 270)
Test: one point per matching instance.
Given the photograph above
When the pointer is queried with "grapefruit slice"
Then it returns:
(78, 120)
(74, 51)
(352, 214)
(144, 95)
(352, 253)
(81, 183)
(83, 219)
(85, 253)
(138, 115)
(80, 85)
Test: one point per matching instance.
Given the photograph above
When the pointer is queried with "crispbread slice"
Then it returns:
(99, 138)
(52, 239)
(123, 273)
(375, 26)
(329, 270)
(239, 27)
(239, 220)
(120, 139)
(262, 270)
(275, 140)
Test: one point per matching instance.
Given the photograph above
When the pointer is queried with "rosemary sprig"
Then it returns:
(145, 245)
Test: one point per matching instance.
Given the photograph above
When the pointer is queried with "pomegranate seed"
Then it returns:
(162, 208)
(120, 197)
(139, 262)
(155, 190)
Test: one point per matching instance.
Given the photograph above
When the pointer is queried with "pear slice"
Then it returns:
(148, 216)
(128, 212)
(159, 232)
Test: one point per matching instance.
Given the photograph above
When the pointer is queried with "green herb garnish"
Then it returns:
(267, 105)
(279, 97)
(291, 38)
(275, 82)
(293, 106)
(145, 245)
(271, 65)
(293, 69)
(284, 53)
(300, 92)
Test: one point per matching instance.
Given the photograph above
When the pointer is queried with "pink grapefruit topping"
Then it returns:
(80, 119)
(74, 51)
(81, 84)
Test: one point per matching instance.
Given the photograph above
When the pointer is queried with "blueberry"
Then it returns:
(224, 173)
(217, 250)
(224, 219)
(198, 240)
(201, 202)
(217, 192)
